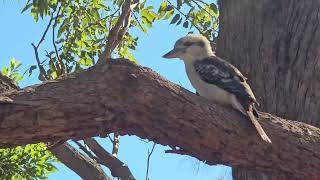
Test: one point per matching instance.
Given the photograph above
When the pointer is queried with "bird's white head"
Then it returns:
(190, 48)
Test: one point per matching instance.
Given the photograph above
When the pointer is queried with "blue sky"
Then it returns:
(18, 31)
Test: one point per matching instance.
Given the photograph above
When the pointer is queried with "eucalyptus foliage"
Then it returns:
(12, 71)
(26, 162)
(80, 27)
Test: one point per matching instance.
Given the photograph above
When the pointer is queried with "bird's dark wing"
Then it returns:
(224, 75)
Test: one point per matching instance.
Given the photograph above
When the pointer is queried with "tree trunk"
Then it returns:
(276, 44)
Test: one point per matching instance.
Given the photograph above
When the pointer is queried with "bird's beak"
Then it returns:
(174, 53)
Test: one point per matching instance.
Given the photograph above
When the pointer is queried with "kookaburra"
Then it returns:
(215, 78)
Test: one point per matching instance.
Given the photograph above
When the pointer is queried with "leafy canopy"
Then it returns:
(26, 162)
(80, 28)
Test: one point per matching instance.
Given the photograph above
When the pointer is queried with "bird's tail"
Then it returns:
(257, 125)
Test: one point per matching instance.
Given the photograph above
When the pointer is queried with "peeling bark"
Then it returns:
(133, 100)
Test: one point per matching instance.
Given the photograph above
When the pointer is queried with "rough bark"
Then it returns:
(85, 167)
(137, 101)
(276, 44)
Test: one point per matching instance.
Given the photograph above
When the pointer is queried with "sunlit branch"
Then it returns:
(121, 27)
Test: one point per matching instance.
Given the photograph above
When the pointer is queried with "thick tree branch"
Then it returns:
(133, 100)
(85, 167)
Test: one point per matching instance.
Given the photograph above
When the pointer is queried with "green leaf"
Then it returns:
(12, 64)
(17, 65)
(33, 67)
(163, 6)
(169, 14)
(18, 163)
(169, 8)
(179, 22)
(26, 7)
(186, 24)
(179, 4)
(5, 71)
(214, 7)
(54, 75)
(175, 19)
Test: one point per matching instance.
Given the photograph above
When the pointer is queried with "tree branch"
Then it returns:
(122, 97)
(43, 75)
(117, 167)
(121, 27)
(115, 144)
(148, 160)
(85, 167)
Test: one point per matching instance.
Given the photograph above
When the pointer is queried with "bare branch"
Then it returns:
(43, 75)
(85, 167)
(115, 142)
(63, 69)
(120, 29)
(109, 137)
(117, 168)
(36, 48)
(46, 30)
(148, 160)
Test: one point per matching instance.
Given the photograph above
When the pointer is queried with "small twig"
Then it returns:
(110, 138)
(36, 48)
(145, 141)
(54, 41)
(113, 14)
(41, 69)
(46, 30)
(116, 142)
(136, 18)
(148, 160)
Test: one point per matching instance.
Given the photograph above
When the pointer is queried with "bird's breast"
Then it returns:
(209, 91)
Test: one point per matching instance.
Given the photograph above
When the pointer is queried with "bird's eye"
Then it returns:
(201, 44)
(188, 43)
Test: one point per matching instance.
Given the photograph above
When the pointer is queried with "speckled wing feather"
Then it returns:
(214, 70)
(222, 74)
